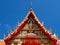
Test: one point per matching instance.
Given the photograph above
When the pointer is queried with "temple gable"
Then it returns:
(30, 31)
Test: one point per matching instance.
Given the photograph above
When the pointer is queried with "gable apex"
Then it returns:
(32, 15)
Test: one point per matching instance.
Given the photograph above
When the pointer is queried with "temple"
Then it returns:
(30, 32)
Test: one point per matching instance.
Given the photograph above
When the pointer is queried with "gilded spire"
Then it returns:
(31, 6)
(4, 36)
(11, 30)
(56, 35)
(50, 30)
(42, 23)
(18, 23)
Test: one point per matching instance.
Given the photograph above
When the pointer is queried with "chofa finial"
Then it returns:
(30, 6)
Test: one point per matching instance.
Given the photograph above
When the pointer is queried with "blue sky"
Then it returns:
(12, 11)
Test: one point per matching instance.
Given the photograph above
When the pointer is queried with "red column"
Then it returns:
(8, 43)
(35, 43)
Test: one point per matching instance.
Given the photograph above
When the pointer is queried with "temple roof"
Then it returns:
(22, 24)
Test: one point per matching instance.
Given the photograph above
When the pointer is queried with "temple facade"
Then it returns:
(30, 32)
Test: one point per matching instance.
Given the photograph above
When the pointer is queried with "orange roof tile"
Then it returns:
(1, 42)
